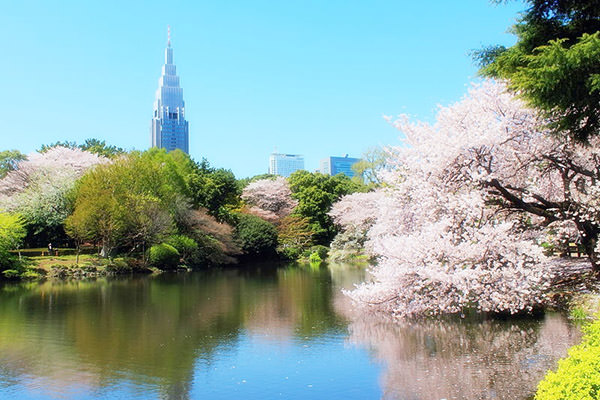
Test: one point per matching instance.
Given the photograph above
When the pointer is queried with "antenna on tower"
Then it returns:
(169, 35)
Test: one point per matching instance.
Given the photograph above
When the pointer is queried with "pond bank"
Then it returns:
(66, 267)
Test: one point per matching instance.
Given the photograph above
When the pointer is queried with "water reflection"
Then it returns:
(181, 336)
(460, 359)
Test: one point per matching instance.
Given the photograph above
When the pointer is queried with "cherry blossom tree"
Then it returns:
(270, 199)
(460, 215)
(355, 213)
(38, 186)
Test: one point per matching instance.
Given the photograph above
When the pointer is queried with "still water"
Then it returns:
(255, 333)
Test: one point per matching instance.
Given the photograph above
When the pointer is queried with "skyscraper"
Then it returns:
(285, 164)
(170, 129)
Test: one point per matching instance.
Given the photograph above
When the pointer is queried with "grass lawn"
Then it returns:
(45, 262)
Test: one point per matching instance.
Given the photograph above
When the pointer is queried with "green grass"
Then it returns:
(45, 262)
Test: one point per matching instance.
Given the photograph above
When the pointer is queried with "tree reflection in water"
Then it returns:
(459, 359)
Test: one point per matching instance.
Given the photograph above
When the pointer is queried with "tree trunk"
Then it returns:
(105, 250)
(589, 244)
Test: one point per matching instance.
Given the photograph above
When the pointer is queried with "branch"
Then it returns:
(536, 209)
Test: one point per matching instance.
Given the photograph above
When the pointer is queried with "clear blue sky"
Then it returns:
(311, 77)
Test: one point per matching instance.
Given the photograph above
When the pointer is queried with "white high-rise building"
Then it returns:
(285, 164)
(170, 129)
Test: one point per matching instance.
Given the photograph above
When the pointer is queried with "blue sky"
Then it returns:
(305, 77)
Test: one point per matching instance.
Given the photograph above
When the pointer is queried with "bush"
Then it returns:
(257, 236)
(32, 275)
(314, 258)
(578, 375)
(186, 246)
(290, 253)
(163, 256)
(322, 251)
(11, 274)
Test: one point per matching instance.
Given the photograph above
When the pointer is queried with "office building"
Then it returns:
(336, 165)
(285, 164)
(170, 129)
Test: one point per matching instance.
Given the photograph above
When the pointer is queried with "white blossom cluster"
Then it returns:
(457, 223)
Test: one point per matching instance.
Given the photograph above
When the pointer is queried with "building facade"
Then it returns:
(336, 165)
(170, 129)
(285, 164)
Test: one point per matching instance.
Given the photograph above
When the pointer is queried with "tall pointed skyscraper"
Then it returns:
(170, 129)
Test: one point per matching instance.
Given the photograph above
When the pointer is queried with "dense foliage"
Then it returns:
(215, 189)
(141, 199)
(577, 376)
(270, 198)
(12, 232)
(163, 256)
(555, 64)
(257, 236)
(316, 193)
(185, 246)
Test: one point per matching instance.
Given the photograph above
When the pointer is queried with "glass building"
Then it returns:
(170, 130)
(285, 164)
(336, 165)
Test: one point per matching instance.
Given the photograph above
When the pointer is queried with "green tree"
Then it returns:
(12, 232)
(555, 64)
(294, 235)
(141, 199)
(372, 161)
(98, 215)
(92, 145)
(9, 160)
(101, 148)
(129, 203)
(316, 193)
(215, 189)
(67, 144)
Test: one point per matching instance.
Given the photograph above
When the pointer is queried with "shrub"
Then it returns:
(32, 275)
(314, 258)
(11, 274)
(289, 253)
(163, 256)
(578, 375)
(321, 251)
(257, 236)
(185, 245)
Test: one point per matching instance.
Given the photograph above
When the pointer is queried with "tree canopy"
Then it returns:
(9, 159)
(555, 64)
(91, 145)
(315, 193)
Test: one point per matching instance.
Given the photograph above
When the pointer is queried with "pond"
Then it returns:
(255, 333)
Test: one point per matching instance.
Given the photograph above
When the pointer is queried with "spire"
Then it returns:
(168, 50)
